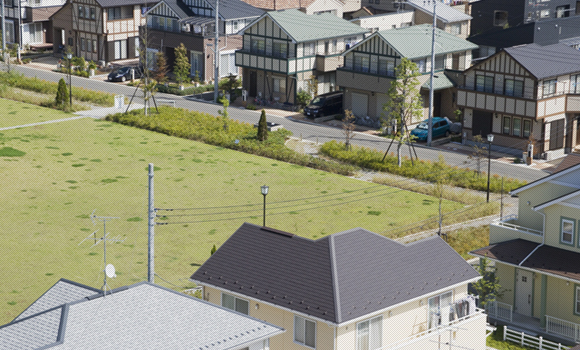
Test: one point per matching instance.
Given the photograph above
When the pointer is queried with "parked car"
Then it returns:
(121, 74)
(440, 128)
(325, 104)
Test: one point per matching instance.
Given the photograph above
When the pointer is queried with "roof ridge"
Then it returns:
(334, 275)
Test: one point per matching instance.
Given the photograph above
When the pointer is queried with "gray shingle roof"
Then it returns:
(445, 13)
(336, 278)
(236, 9)
(62, 292)
(546, 61)
(141, 316)
(114, 3)
(415, 41)
(302, 27)
(178, 7)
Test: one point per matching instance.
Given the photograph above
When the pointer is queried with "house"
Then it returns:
(172, 22)
(27, 22)
(349, 290)
(536, 255)
(283, 49)
(369, 69)
(100, 30)
(499, 24)
(449, 19)
(516, 94)
(323, 6)
(143, 315)
(383, 21)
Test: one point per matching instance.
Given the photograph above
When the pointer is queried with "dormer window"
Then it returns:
(500, 18)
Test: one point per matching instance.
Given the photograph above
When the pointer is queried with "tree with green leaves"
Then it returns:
(488, 287)
(160, 74)
(348, 127)
(213, 249)
(225, 115)
(61, 99)
(405, 104)
(181, 67)
(479, 152)
(263, 127)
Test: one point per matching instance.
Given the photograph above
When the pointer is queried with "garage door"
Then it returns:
(360, 103)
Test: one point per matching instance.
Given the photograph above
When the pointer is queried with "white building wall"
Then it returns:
(385, 21)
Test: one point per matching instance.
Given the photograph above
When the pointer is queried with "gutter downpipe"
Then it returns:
(543, 238)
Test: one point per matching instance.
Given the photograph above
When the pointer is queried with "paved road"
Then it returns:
(312, 132)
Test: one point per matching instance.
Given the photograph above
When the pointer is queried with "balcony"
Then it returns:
(498, 103)
(44, 3)
(506, 229)
(264, 61)
(327, 63)
(349, 78)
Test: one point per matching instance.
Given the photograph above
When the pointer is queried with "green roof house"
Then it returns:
(282, 49)
(369, 69)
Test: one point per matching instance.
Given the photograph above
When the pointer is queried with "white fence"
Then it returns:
(164, 101)
(499, 310)
(562, 327)
(512, 217)
(530, 341)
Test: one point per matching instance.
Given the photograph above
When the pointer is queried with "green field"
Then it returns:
(14, 113)
(53, 176)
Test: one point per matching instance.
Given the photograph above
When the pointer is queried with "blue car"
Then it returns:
(440, 128)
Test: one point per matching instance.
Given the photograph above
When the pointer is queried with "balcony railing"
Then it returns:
(436, 330)
(504, 230)
(499, 310)
(564, 328)
(513, 217)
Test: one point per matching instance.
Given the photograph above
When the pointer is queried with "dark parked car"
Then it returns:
(122, 74)
(325, 104)
(440, 128)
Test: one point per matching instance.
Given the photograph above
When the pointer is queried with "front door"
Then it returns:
(524, 292)
(481, 123)
(253, 83)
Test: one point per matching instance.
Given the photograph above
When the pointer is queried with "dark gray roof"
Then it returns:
(336, 278)
(114, 3)
(62, 292)
(546, 61)
(141, 316)
(179, 8)
(236, 9)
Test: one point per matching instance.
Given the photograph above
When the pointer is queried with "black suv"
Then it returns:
(325, 104)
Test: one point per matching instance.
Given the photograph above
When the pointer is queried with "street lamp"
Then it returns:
(489, 140)
(264, 193)
(69, 58)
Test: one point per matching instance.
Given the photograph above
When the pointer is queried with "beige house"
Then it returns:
(523, 92)
(100, 30)
(536, 253)
(349, 290)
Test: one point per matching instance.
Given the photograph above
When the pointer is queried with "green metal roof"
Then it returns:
(302, 27)
(440, 82)
(415, 41)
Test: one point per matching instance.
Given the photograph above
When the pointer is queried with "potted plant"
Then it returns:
(92, 67)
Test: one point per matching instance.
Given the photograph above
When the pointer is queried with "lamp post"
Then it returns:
(489, 140)
(264, 193)
(69, 58)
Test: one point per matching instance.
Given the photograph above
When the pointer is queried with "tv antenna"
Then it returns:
(109, 270)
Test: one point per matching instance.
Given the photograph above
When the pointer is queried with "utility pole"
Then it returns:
(19, 30)
(152, 214)
(216, 54)
(430, 130)
(3, 32)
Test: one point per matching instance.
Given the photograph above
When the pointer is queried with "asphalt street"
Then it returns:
(306, 131)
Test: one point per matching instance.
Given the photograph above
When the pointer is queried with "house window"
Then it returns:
(34, 33)
(500, 18)
(361, 63)
(549, 87)
(577, 300)
(440, 62)
(527, 128)
(197, 64)
(235, 26)
(439, 309)
(309, 49)
(514, 88)
(89, 45)
(9, 31)
(81, 11)
(483, 83)
(258, 45)
(92, 13)
(506, 125)
(233, 303)
(517, 127)
(228, 64)
(455, 28)
(421, 65)
(557, 134)
(120, 47)
(562, 11)
(83, 45)
(279, 84)
(545, 13)
(114, 13)
(567, 231)
(280, 49)
(575, 84)
(305, 331)
(386, 67)
(369, 334)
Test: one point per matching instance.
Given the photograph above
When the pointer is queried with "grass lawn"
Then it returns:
(53, 176)
(13, 113)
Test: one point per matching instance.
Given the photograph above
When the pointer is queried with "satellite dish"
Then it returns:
(110, 271)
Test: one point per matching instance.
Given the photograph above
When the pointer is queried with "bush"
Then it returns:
(421, 170)
(206, 128)
(61, 99)
(187, 91)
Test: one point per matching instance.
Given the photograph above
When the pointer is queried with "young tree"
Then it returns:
(405, 104)
(478, 152)
(181, 67)
(160, 74)
(488, 288)
(61, 99)
(225, 115)
(263, 127)
(312, 86)
(213, 249)
(348, 127)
